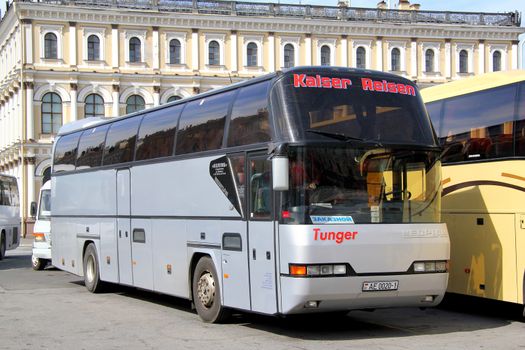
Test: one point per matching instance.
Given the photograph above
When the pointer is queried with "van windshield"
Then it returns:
(44, 211)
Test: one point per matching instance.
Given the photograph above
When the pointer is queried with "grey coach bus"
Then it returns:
(310, 190)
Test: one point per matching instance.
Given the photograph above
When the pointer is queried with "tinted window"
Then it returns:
(90, 147)
(434, 112)
(66, 153)
(9, 191)
(120, 143)
(249, 120)
(478, 125)
(157, 133)
(520, 124)
(202, 124)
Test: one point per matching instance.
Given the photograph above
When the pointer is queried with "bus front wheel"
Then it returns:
(206, 292)
(91, 270)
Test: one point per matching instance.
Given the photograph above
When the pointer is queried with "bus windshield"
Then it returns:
(343, 184)
(352, 107)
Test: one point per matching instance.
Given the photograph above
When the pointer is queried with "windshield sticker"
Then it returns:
(337, 236)
(387, 86)
(303, 80)
(318, 219)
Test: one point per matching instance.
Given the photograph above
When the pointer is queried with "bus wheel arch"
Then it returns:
(91, 268)
(3, 244)
(206, 289)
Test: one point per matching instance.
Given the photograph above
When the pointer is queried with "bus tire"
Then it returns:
(206, 292)
(2, 245)
(91, 270)
(37, 263)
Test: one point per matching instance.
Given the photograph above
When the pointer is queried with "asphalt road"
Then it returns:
(51, 309)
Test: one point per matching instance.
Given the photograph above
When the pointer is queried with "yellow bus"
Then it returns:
(480, 122)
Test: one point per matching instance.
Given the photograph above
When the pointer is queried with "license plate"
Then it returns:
(380, 286)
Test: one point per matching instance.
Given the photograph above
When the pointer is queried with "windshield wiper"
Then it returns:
(343, 137)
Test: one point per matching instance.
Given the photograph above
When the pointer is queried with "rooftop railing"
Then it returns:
(240, 8)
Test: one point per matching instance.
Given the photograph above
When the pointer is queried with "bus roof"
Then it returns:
(473, 84)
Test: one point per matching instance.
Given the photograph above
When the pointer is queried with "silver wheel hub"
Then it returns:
(90, 268)
(34, 259)
(206, 289)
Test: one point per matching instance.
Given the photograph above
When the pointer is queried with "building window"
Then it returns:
(93, 48)
(94, 106)
(429, 61)
(135, 103)
(325, 55)
(395, 57)
(134, 50)
(496, 61)
(251, 55)
(214, 55)
(175, 52)
(463, 61)
(50, 46)
(173, 98)
(360, 57)
(289, 56)
(51, 113)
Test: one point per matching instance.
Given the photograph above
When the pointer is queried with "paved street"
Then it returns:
(52, 310)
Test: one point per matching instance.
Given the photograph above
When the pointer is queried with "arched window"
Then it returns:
(429, 61)
(135, 103)
(50, 46)
(175, 51)
(214, 53)
(51, 113)
(94, 106)
(289, 56)
(325, 55)
(135, 50)
(173, 98)
(496, 61)
(251, 55)
(360, 57)
(395, 57)
(463, 61)
(93, 48)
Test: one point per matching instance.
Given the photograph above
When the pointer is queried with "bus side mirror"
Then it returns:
(280, 173)
(33, 209)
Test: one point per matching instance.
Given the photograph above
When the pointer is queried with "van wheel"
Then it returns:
(37, 263)
(2, 245)
(206, 292)
(91, 270)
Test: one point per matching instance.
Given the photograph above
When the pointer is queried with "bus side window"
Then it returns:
(260, 189)
(520, 123)
(90, 147)
(120, 142)
(66, 153)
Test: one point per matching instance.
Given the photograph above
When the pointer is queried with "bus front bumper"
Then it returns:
(305, 295)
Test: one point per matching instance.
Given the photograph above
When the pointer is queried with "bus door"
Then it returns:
(124, 226)
(261, 235)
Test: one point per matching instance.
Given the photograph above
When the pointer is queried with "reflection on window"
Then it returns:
(65, 153)
(260, 193)
(90, 147)
(120, 141)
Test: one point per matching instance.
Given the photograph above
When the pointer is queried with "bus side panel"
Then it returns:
(520, 253)
(65, 248)
(10, 223)
(108, 256)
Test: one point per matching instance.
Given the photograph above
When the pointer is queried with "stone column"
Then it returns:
(195, 50)
(271, 53)
(114, 46)
(73, 43)
(448, 59)
(156, 58)
(379, 49)
(73, 94)
(308, 48)
(28, 30)
(30, 119)
(481, 56)
(156, 96)
(233, 38)
(413, 58)
(30, 163)
(116, 100)
(344, 49)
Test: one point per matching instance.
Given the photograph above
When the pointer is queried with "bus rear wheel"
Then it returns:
(2, 245)
(206, 292)
(92, 270)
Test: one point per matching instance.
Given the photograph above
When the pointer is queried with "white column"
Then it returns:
(30, 184)
(413, 58)
(514, 58)
(448, 59)
(344, 53)
(271, 52)
(195, 49)
(308, 47)
(114, 46)
(73, 43)
(156, 58)
(28, 29)
(481, 57)
(73, 96)
(379, 49)
(17, 113)
(30, 120)
(234, 63)
(116, 103)
(156, 96)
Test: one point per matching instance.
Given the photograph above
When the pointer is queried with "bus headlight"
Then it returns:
(430, 266)
(321, 270)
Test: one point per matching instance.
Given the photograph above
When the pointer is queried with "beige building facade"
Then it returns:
(61, 61)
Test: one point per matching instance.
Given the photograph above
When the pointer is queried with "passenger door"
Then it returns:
(124, 226)
(261, 235)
